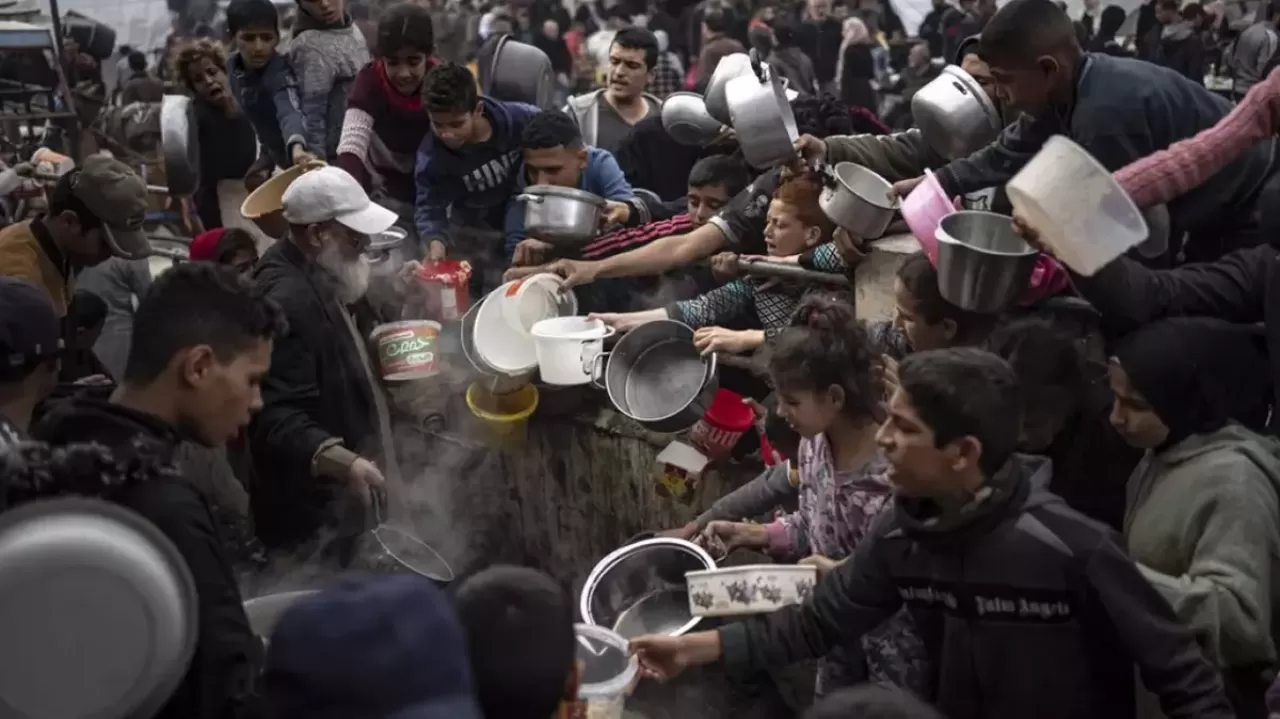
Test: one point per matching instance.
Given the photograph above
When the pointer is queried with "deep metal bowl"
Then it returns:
(983, 265)
(562, 216)
(730, 66)
(954, 114)
(640, 588)
(859, 200)
(686, 120)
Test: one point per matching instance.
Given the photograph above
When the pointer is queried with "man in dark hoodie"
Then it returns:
(1027, 609)
(1180, 47)
(30, 344)
(1117, 109)
(466, 169)
(326, 52)
(201, 345)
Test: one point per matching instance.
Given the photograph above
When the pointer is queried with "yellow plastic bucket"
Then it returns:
(504, 418)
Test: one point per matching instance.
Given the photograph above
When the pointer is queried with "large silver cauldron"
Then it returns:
(640, 588)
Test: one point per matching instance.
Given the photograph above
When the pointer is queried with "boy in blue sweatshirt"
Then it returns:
(466, 169)
(554, 154)
(264, 85)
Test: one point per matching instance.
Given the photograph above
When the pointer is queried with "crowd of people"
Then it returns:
(1069, 508)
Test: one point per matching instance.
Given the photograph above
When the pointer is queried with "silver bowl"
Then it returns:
(686, 120)
(640, 588)
(983, 265)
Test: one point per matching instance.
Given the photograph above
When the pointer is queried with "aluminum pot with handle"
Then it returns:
(762, 119)
(858, 200)
(731, 66)
(561, 216)
(655, 376)
(954, 114)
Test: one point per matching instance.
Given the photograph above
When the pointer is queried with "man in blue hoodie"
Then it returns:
(554, 154)
(476, 140)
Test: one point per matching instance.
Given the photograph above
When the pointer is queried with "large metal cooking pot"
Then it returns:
(640, 588)
(954, 114)
(858, 200)
(686, 120)
(519, 73)
(178, 144)
(762, 119)
(97, 612)
(561, 215)
(655, 376)
(731, 66)
(983, 265)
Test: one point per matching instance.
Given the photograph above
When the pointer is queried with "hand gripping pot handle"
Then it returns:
(597, 369)
(532, 199)
(589, 360)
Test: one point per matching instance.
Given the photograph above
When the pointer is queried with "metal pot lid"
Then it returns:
(388, 239)
(974, 88)
(97, 611)
(568, 193)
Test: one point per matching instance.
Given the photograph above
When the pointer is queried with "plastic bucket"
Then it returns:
(723, 424)
(607, 670)
(503, 418)
(528, 301)
(407, 350)
(1075, 204)
(567, 348)
(923, 209)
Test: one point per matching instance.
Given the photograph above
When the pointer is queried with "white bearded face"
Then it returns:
(350, 273)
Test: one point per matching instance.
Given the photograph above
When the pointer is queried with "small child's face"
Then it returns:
(256, 45)
(809, 412)
(405, 69)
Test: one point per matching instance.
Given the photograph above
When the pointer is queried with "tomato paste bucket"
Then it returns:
(608, 670)
(923, 208)
(407, 350)
(567, 347)
(726, 420)
(444, 285)
(503, 418)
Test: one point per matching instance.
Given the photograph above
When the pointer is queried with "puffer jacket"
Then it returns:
(1026, 609)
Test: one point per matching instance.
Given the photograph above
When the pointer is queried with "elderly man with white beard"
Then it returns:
(323, 438)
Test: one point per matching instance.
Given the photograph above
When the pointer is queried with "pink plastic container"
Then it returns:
(923, 209)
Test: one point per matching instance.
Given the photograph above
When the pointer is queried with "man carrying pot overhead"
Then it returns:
(324, 434)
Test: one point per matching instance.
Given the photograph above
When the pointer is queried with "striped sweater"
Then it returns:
(381, 132)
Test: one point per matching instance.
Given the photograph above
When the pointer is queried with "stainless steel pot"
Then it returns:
(983, 265)
(520, 73)
(561, 215)
(386, 252)
(655, 376)
(640, 588)
(858, 200)
(97, 597)
(731, 66)
(762, 120)
(686, 120)
(954, 114)
(179, 145)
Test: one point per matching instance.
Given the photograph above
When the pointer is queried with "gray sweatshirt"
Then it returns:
(326, 60)
(769, 489)
(1253, 50)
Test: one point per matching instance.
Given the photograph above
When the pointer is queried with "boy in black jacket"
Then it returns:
(1027, 608)
(201, 345)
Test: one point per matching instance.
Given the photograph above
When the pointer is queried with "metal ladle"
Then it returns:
(388, 535)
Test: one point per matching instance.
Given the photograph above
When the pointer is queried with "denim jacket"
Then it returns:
(269, 97)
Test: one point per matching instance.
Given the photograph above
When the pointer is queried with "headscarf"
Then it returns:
(854, 32)
(1199, 374)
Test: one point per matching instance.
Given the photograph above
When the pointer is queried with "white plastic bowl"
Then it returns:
(608, 670)
(1080, 211)
(567, 348)
(502, 337)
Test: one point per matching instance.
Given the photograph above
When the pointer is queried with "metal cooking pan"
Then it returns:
(179, 144)
(655, 376)
(519, 73)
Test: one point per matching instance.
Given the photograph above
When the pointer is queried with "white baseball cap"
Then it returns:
(330, 193)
